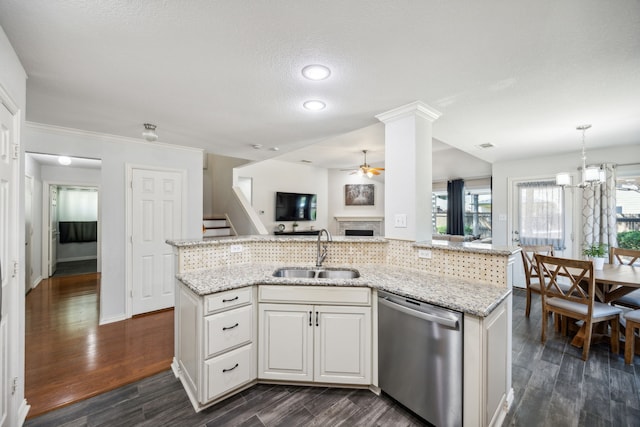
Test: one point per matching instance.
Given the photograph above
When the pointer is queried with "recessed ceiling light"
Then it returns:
(316, 72)
(314, 105)
(257, 146)
(64, 160)
(305, 161)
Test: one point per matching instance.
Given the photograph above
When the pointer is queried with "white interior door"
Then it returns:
(28, 232)
(9, 287)
(53, 229)
(156, 216)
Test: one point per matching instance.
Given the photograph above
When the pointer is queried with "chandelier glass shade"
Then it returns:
(591, 175)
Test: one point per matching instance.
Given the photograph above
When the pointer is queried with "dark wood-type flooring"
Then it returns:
(71, 268)
(552, 385)
(69, 357)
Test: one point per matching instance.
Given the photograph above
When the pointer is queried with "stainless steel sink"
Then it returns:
(311, 273)
(295, 272)
(338, 274)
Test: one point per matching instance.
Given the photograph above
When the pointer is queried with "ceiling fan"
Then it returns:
(366, 169)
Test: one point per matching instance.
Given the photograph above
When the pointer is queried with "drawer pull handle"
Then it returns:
(229, 300)
(230, 369)
(226, 328)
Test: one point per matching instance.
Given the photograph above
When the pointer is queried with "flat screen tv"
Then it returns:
(295, 207)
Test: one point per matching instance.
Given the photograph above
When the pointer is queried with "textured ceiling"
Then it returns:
(224, 75)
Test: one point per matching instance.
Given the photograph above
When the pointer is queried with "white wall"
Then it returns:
(218, 183)
(270, 176)
(548, 166)
(116, 153)
(33, 169)
(453, 164)
(337, 180)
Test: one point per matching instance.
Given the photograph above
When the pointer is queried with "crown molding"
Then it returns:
(417, 108)
(105, 136)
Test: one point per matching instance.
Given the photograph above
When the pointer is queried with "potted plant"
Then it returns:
(596, 252)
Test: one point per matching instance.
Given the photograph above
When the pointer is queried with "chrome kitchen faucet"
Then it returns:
(322, 254)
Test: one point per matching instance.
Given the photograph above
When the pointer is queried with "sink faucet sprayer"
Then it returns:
(322, 255)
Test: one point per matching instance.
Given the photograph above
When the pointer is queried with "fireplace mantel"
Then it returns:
(359, 218)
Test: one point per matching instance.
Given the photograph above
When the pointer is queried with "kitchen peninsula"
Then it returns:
(233, 315)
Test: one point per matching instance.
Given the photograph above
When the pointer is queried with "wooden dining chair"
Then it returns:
(633, 323)
(577, 301)
(627, 257)
(532, 278)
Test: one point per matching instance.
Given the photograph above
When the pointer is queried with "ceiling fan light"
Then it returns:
(360, 172)
(369, 174)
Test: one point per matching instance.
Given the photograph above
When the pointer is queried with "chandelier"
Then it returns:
(591, 175)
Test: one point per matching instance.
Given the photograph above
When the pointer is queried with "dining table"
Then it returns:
(615, 281)
(612, 282)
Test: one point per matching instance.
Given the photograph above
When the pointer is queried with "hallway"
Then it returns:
(69, 357)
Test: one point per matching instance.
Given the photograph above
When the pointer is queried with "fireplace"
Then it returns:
(360, 225)
(358, 232)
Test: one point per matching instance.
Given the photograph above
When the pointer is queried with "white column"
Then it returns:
(408, 170)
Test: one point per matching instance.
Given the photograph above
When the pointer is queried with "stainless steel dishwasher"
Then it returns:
(420, 357)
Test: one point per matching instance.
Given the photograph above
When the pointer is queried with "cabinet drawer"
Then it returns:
(227, 329)
(227, 371)
(315, 295)
(227, 299)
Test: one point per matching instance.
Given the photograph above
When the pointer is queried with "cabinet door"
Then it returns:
(285, 344)
(343, 344)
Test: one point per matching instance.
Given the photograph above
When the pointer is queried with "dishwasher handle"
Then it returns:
(452, 323)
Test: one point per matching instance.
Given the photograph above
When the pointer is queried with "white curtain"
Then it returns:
(599, 211)
(541, 214)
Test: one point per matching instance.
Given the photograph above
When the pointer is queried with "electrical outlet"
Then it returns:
(235, 248)
(400, 221)
(424, 253)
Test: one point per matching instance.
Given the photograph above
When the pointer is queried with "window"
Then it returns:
(541, 214)
(628, 210)
(477, 213)
(477, 208)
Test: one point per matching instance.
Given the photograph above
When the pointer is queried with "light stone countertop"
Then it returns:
(478, 248)
(477, 299)
(471, 247)
(270, 238)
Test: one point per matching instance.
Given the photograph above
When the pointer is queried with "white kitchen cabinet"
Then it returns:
(285, 342)
(315, 343)
(342, 341)
(487, 367)
(214, 349)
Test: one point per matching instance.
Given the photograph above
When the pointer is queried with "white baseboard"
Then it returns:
(23, 410)
(36, 282)
(105, 321)
(175, 367)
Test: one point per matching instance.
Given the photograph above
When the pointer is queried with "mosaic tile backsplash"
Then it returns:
(459, 261)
